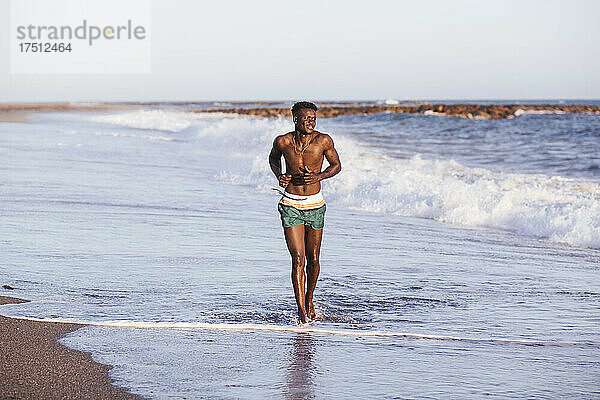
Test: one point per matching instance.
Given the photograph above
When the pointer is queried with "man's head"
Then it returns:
(305, 116)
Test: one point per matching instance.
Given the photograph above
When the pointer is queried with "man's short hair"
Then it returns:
(303, 104)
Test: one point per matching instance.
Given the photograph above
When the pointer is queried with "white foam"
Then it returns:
(299, 329)
(162, 120)
(560, 209)
(147, 137)
(431, 112)
(520, 112)
(552, 207)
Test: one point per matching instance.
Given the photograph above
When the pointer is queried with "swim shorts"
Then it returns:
(302, 210)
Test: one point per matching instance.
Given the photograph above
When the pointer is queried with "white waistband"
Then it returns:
(303, 202)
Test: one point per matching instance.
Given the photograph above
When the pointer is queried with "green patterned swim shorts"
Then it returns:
(291, 216)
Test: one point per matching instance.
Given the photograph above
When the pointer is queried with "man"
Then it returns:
(302, 206)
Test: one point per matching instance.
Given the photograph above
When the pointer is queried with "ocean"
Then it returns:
(460, 257)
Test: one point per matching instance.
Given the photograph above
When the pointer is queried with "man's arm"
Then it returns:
(331, 154)
(275, 163)
(335, 165)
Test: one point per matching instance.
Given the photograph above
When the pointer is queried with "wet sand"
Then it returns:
(33, 365)
(18, 112)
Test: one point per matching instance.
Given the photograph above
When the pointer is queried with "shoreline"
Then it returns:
(34, 365)
(19, 112)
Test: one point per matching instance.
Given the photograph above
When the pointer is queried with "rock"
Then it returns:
(472, 111)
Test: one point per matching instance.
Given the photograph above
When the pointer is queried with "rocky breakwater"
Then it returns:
(472, 111)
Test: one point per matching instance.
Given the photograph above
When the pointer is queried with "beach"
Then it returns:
(18, 112)
(448, 152)
(459, 256)
(33, 365)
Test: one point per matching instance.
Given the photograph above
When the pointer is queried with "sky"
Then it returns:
(343, 50)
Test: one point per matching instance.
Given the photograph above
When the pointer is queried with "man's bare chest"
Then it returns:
(308, 155)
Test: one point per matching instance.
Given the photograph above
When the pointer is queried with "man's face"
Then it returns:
(305, 121)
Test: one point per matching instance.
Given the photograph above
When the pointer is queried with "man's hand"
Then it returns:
(308, 176)
(284, 180)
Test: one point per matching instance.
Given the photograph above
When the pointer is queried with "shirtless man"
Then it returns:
(302, 206)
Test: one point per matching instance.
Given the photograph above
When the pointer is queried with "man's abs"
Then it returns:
(305, 190)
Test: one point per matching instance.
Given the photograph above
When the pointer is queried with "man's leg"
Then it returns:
(312, 240)
(294, 238)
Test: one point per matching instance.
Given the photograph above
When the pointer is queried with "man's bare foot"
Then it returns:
(302, 316)
(310, 309)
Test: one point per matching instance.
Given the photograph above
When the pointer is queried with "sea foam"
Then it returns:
(304, 329)
(161, 120)
(520, 112)
(560, 209)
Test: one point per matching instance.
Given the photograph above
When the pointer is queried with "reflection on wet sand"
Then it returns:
(300, 373)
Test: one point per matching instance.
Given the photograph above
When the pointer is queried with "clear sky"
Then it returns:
(345, 49)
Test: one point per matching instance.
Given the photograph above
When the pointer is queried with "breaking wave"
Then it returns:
(557, 208)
